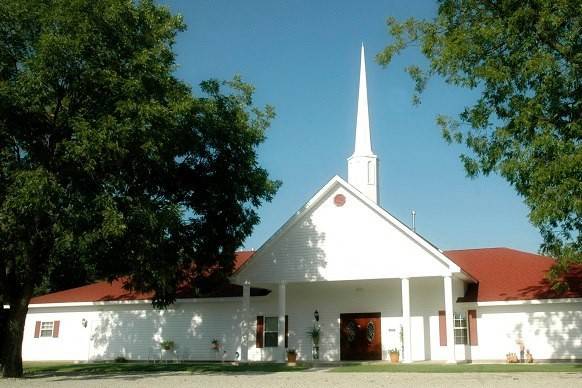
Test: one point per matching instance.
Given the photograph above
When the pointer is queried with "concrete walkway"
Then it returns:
(314, 378)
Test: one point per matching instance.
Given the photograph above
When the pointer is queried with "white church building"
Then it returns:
(345, 265)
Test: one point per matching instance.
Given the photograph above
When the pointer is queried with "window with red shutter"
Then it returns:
(56, 327)
(442, 328)
(260, 330)
(473, 327)
(37, 329)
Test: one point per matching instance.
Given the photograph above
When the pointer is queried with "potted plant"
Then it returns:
(314, 334)
(167, 345)
(215, 344)
(394, 355)
(291, 357)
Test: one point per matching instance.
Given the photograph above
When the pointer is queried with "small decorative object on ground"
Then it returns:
(528, 357)
(236, 357)
(512, 358)
(394, 355)
(521, 351)
(291, 357)
(314, 333)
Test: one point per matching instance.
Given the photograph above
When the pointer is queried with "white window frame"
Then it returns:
(276, 331)
(47, 329)
(461, 329)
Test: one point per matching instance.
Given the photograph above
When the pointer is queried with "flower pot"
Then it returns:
(291, 359)
(394, 357)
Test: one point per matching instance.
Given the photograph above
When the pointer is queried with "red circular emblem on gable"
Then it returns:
(339, 200)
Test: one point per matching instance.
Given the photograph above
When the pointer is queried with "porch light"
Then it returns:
(316, 316)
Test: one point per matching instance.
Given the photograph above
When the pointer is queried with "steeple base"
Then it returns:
(363, 175)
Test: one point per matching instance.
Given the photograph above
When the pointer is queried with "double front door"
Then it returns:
(360, 336)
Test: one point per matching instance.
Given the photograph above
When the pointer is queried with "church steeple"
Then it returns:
(363, 146)
(363, 164)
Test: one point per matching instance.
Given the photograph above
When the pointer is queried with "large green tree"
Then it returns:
(109, 165)
(524, 57)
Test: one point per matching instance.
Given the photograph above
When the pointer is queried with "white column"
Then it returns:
(448, 283)
(407, 356)
(246, 303)
(282, 312)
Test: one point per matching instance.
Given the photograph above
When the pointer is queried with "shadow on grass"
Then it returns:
(136, 370)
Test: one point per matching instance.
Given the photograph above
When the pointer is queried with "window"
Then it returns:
(46, 329)
(271, 332)
(460, 325)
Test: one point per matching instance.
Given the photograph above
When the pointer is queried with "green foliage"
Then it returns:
(167, 345)
(109, 165)
(525, 59)
(63, 369)
(314, 332)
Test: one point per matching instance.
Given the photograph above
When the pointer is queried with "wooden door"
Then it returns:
(360, 336)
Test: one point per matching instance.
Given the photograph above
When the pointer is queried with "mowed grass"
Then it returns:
(45, 369)
(460, 368)
(37, 369)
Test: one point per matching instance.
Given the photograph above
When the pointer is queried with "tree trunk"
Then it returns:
(12, 344)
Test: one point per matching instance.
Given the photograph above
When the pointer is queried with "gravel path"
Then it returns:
(316, 379)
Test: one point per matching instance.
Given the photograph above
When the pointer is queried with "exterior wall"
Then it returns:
(72, 342)
(549, 331)
(135, 330)
(349, 242)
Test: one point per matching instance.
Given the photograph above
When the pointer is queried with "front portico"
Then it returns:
(350, 256)
(337, 299)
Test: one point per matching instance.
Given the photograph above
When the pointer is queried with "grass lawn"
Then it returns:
(460, 368)
(33, 369)
(44, 369)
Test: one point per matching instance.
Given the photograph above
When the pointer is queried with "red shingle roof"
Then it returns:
(508, 274)
(502, 274)
(105, 291)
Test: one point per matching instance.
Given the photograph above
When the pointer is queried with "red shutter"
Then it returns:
(37, 329)
(473, 327)
(56, 326)
(286, 331)
(443, 328)
(260, 329)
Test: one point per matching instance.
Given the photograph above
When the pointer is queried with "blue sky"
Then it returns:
(303, 58)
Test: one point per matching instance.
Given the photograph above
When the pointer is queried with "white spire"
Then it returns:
(363, 145)
(363, 164)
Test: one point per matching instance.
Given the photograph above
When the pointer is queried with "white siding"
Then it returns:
(133, 331)
(549, 331)
(350, 242)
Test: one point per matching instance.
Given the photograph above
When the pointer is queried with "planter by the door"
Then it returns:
(394, 357)
(291, 357)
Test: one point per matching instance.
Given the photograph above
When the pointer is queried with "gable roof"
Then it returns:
(332, 184)
(505, 274)
(107, 292)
